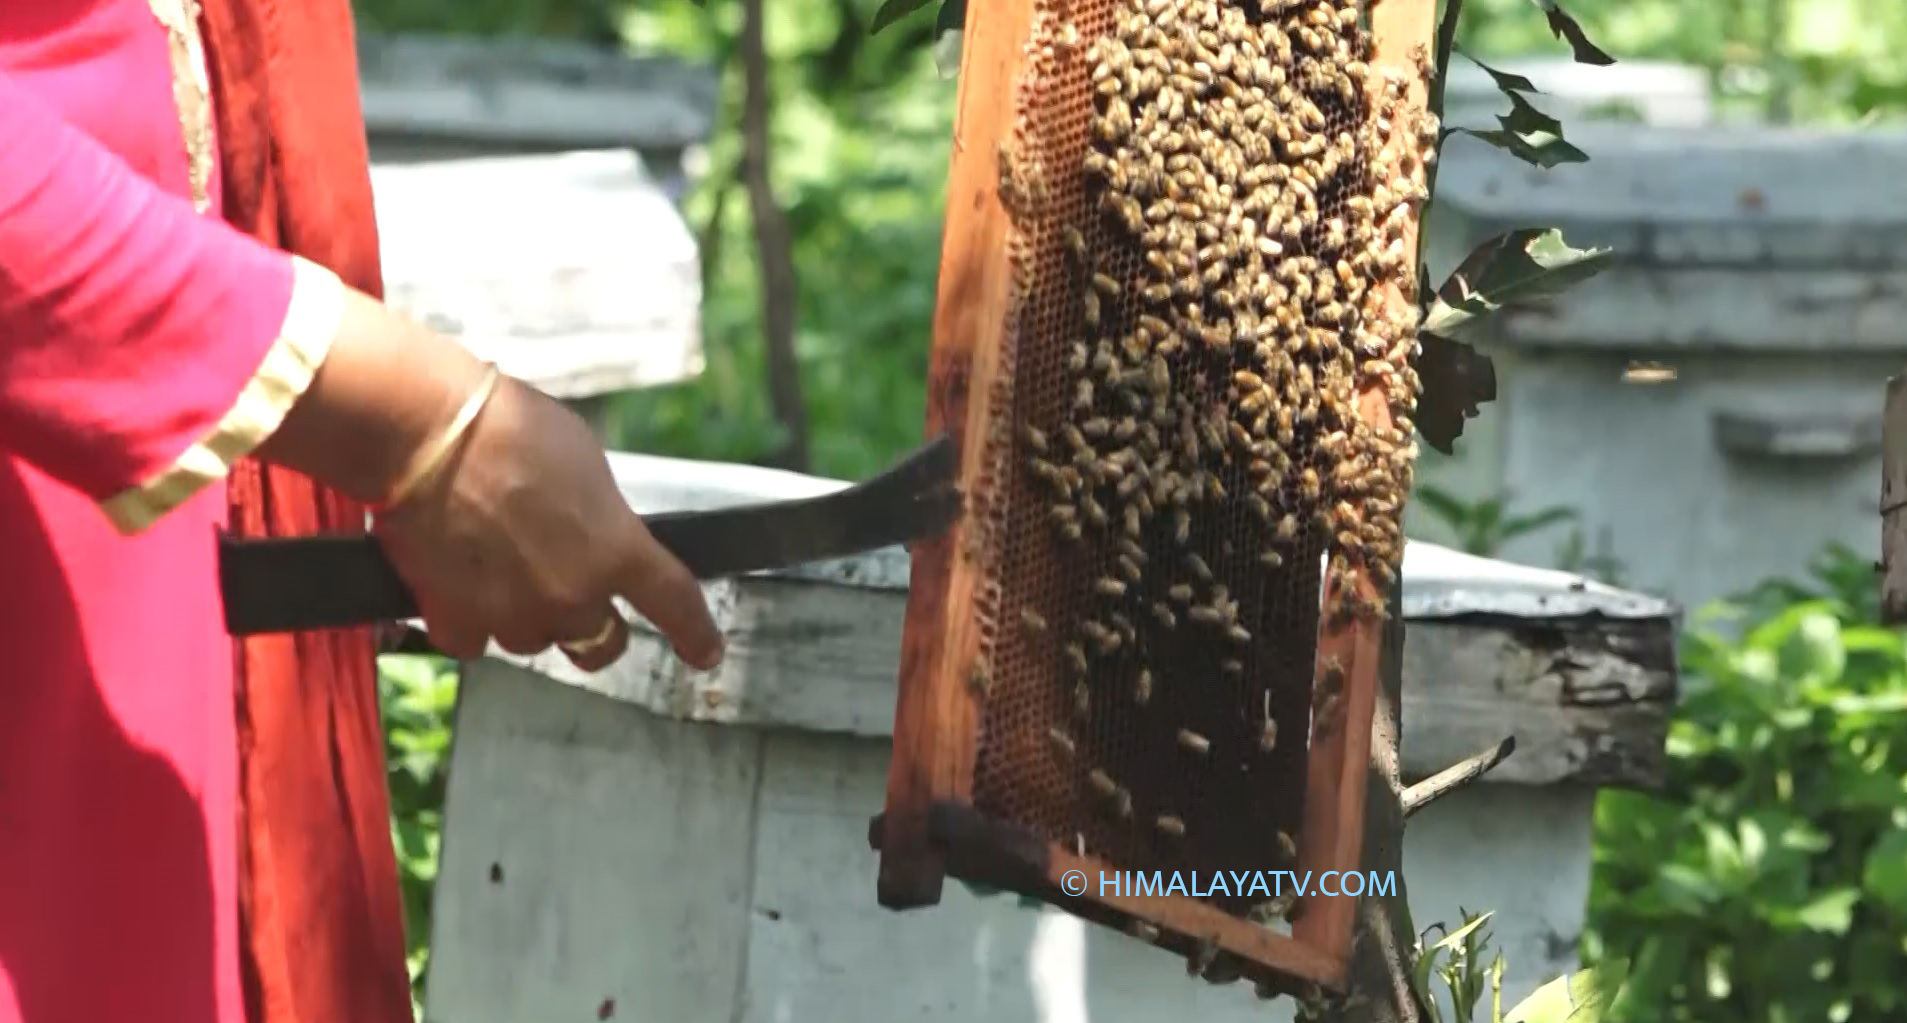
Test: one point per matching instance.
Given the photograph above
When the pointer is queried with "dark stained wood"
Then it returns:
(935, 718)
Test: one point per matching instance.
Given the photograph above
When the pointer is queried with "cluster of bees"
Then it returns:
(1244, 283)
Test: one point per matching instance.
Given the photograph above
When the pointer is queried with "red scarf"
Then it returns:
(322, 917)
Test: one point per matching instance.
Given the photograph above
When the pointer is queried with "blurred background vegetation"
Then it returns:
(1769, 882)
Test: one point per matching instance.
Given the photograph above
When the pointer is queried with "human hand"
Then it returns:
(522, 536)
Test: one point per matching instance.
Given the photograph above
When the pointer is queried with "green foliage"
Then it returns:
(1768, 881)
(1457, 961)
(1816, 60)
(1531, 135)
(418, 696)
(1483, 526)
(1515, 267)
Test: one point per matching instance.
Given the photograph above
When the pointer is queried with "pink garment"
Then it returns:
(128, 325)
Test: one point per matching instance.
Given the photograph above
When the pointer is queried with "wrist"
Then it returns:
(428, 462)
(386, 394)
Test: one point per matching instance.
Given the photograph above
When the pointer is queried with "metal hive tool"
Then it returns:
(1175, 318)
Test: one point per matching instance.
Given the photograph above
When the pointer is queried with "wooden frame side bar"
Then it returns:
(935, 717)
(1333, 835)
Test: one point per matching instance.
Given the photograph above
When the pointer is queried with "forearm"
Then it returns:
(145, 349)
(385, 389)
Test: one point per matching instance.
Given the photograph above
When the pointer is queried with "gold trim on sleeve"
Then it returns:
(311, 322)
(191, 92)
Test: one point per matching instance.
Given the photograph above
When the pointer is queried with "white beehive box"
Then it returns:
(655, 844)
(1769, 268)
(573, 271)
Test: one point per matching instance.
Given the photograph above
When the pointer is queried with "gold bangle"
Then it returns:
(439, 452)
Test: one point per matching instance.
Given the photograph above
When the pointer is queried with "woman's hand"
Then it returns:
(521, 534)
(524, 537)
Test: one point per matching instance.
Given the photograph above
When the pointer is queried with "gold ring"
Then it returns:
(585, 647)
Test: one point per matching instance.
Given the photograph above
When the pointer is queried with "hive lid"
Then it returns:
(1750, 197)
(1784, 238)
(573, 271)
(534, 93)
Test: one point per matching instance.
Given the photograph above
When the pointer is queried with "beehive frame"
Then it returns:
(930, 828)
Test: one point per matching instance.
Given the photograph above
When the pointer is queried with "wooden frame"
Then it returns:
(929, 828)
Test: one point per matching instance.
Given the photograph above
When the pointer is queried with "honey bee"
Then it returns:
(1032, 621)
(1196, 565)
(1170, 825)
(1268, 729)
(1142, 687)
(1287, 847)
(1107, 586)
(1202, 957)
(1082, 699)
(980, 680)
(1061, 742)
(1076, 657)
(1076, 246)
(1194, 742)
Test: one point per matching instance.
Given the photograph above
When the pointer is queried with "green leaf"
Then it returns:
(1538, 147)
(1814, 651)
(1884, 876)
(1830, 912)
(1527, 133)
(950, 26)
(1509, 83)
(1455, 939)
(1579, 997)
(1522, 525)
(1566, 28)
(893, 11)
(1523, 264)
(1456, 379)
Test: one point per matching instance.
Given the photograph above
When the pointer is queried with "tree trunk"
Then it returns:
(774, 248)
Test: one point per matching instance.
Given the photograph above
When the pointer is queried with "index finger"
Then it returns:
(662, 590)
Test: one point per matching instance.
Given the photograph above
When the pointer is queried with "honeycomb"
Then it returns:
(1210, 201)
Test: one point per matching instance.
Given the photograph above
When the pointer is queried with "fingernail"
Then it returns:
(706, 660)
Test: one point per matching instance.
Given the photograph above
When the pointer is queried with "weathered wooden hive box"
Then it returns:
(526, 204)
(1768, 268)
(430, 97)
(656, 844)
(573, 271)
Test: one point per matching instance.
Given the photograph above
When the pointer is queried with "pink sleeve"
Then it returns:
(144, 348)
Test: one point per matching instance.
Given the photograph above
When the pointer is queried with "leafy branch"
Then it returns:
(1515, 267)
(1456, 959)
